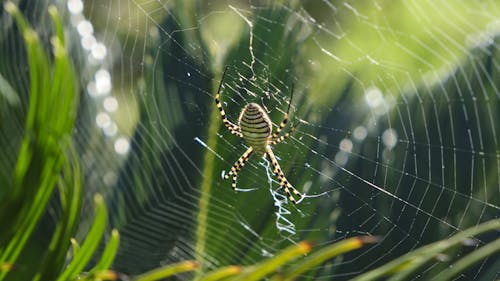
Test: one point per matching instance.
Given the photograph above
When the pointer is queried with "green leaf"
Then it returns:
(70, 194)
(326, 253)
(221, 273)
(93, 237)
(43, 150)
(166, 271)
(109, 252)
(409, 263)
(259, 271)
(488, 250)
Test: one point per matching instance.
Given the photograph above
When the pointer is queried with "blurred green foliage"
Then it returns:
(169, 191)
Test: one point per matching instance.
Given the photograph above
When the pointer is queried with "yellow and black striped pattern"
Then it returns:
(255, 127)
(238, 165)
(281, 176)
(233, 128)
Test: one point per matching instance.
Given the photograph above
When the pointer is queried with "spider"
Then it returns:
(255, 127)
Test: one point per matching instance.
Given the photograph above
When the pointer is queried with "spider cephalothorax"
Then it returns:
(255, 127)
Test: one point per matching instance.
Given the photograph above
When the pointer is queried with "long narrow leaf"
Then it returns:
(17, 243)
(259, 271)
(109, 252)
(222, 273)
(167, 271)
(469, 260)
(327, 253)
(92, 240)
(70, 189)
(412, 261)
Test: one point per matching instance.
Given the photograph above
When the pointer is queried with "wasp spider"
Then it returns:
(255, 127)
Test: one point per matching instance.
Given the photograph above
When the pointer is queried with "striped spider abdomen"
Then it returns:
(256, 127)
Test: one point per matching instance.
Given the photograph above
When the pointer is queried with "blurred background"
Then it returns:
(397, 105)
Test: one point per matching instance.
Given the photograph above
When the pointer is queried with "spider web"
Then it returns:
(396, 106)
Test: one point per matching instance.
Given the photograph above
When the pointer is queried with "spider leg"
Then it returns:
(238, 165)
(281, 126)
(285, 136)
(233, 128)
(281, 177)
(285, 119)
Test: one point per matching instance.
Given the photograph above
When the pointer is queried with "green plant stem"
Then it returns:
(205, 190)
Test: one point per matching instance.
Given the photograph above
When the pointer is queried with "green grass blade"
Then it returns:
(103, 275)
(12, 9)
(469, 260)
(43, 149)
(82, 257)
(70, 191)
(18, 241)
(221, 273)
(327, 253)
(56, 20)
(206, 187)
(74, 195)
(166, 271)
(109, 252)
(409, 263)
(39, 70)
(263, 269)
(75, 246)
